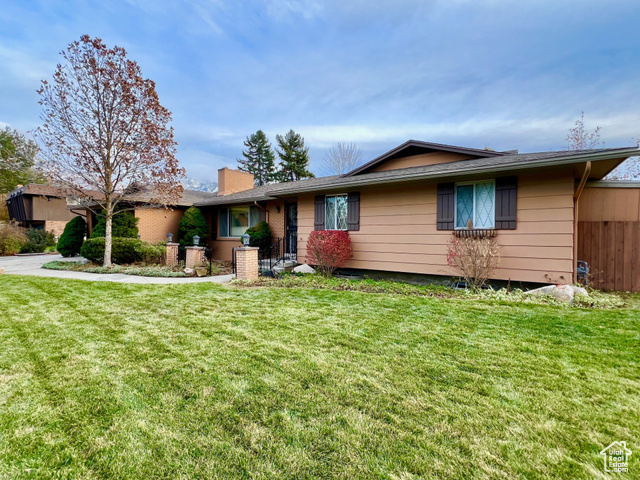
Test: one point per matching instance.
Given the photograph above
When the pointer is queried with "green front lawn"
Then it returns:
(101, 380)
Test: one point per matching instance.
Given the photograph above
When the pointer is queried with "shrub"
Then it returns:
(150, 253)
(192, 223)
(124, 250)
(328, 250)
(260, 236)
(70, 241)
(124, 225)
(475, 259)
(38, 241)
(12, 238)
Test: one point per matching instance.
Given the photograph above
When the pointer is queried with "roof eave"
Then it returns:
(468, 170)
(232, 201)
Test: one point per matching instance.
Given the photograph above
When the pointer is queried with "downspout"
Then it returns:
(576, 199)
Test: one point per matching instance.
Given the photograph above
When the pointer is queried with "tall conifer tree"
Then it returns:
(259, 159)
(294, 157)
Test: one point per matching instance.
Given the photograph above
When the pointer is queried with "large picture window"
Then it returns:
(476, 204)
(335, 212)
(234, 221)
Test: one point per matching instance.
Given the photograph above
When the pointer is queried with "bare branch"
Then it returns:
(341, 158)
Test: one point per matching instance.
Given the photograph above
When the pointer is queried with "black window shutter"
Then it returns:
(318, 214)
(262, 215)
(446, 206)
(506, 202)
(353, 211)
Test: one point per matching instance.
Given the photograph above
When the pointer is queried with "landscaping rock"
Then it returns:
(189, 271)
(304, 268)
(1, 271)
(579, 290)
(562, 293)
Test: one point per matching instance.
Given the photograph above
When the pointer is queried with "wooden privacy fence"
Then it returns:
(613, 252)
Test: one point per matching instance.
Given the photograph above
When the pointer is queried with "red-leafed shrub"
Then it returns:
(328, 250)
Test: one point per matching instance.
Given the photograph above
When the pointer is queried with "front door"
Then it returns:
(291, 222)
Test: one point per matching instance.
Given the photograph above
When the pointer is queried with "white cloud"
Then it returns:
(24, 66)
(285, 9)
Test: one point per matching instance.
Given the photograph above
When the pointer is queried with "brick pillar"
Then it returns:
(247, 263)
(195, 257)
(171, 259)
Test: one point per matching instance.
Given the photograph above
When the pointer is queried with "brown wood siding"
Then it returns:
(48, 208)
(419, 161)
(612, 249)
(398, 231)
(599, 204)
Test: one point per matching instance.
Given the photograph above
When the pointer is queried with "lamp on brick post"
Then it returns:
(170, 237)
(196, 240)
(245, 239)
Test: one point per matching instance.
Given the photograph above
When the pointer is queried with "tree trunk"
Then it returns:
(107, 237)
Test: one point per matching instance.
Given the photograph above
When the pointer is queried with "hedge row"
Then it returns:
(123, 250)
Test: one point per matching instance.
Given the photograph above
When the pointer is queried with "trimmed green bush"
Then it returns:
(193, 223)
(70, 241)
(123, 250)
(260, 236)
(150, 253)
(124, 225)
(38, 241)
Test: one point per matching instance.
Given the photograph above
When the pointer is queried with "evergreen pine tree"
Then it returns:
(294, 157)
(71, 240)
(125, 225)
(193, 223)
(259, 158)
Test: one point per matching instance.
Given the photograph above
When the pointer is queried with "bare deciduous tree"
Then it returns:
(104, 130)
(341, 158)
(579, 138)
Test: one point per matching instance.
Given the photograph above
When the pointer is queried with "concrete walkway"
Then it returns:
(32, 265)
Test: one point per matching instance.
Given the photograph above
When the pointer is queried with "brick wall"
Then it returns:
(155, 223)
(247, 263)
(233, 181)
(55, 226)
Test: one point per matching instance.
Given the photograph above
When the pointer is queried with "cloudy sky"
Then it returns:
(495, 73)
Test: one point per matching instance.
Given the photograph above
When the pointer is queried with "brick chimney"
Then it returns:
(233, 181)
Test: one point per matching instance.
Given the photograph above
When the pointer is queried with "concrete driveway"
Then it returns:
(32, 265)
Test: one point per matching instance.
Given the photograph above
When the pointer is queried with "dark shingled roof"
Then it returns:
(417, 147)
(187, 199)
(500, 163)
(37, 189)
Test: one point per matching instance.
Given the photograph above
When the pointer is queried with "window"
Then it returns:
(335, 212)
(475, 202)
(234, 221)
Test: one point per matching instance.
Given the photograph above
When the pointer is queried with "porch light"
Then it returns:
(170, 237)
(245, 239)
(196, 240)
